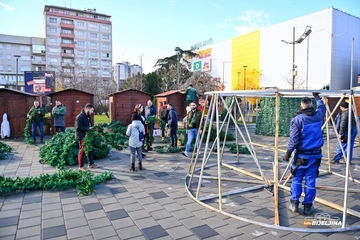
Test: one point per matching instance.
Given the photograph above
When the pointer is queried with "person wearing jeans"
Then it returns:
(36, 114)
(193, 118)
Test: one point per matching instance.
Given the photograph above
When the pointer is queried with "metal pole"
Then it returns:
(141, 72)
(244, 77)
(178, 70)
(352, 63)
(17, 69)
(307, 63)
(293, 64)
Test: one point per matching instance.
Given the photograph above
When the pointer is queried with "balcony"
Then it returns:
(38, 62)
(67, 35)
(65, 64)
(64, 25)
(70, 55)
(67, 45)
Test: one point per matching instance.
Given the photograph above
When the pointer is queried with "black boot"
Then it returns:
(308, 209)
(132, 167)
(294, 205)
(140, 166)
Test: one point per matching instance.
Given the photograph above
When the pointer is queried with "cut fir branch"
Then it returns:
(82, 181)
(4, 150)
(27, 128)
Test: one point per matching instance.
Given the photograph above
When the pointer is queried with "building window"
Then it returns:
(102, 18)
(106, 45)
(25, 68)
(93, 35)
(53, 20)
(55, 10)
(93, 72)
(105, 63)
(81, 24)
(91, 16)
(53, 50)
(66, 12)
(66, 31)
(106, 73)
(8, 47)
(81, 33)
(93, 44)
(105, 36)
(24, 48)
(8, 57)
(53, 40)
(1, 56)
(1, 68)
(105, 54)
(67, 41)
(105, 27)
(93, 63)
(67, 60)
(53, 30)
(81, 43)
(66, 21)
(1, 46)
(67, 70)
(80, 52)
(9, 68)
(79, 14)
(93, 54)
(53, 60)
(93, 25)
(81, 62)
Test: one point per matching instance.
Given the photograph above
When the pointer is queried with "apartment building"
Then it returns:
(17, 55)
(123, 71)
(78, 44)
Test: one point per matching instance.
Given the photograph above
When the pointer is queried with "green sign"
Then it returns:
(197, 66)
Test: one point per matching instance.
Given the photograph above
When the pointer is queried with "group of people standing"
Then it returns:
(37, 113)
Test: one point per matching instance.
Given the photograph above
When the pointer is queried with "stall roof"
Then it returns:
(285, 93)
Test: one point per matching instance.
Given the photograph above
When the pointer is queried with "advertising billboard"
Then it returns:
(39, 81)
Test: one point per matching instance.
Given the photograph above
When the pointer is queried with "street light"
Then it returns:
(299, 40)
(141, 71)
(244, 77)
(238, 73)
(178, 52)
(17, 69)
(224, 71)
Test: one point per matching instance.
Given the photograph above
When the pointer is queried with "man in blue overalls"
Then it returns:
(306, 141)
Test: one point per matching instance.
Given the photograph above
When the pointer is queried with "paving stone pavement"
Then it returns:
(154, 203)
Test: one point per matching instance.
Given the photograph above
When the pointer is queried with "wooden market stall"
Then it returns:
(74, 101)
(122, 104)
(16, 104)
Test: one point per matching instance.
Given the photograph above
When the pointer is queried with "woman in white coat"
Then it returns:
(135, 143)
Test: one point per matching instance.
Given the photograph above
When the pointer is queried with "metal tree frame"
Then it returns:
(276, 182)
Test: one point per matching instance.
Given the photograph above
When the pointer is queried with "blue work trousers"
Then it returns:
(192, 133)
(310, 173)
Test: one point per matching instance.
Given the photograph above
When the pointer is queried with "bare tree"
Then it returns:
(298, 82)
(203, 82)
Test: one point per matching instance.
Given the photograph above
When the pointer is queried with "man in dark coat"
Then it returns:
(172, 123)
(82, 124)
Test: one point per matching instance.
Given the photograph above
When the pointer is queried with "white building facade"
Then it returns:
(328, 56)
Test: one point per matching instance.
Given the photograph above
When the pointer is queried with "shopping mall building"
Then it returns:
(310, 52)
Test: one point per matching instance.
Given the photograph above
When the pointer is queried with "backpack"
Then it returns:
(141, 136)
(163, 113)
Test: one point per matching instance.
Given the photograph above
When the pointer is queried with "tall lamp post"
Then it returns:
(178, 52)
(238, 73)
(244, 77)
(299, 40)
(17, 70)
(141, 72)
